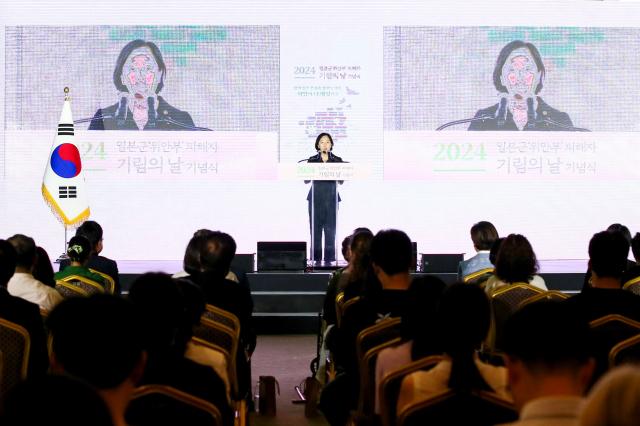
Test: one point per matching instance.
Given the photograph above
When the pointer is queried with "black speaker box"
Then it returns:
(282, 255)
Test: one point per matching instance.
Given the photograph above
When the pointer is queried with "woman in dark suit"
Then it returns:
(323, 201)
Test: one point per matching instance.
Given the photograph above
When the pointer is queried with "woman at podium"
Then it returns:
(323, 201)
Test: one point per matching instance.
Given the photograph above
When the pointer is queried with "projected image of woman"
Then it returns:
(139, 78)
(323, 201)
(518, 75)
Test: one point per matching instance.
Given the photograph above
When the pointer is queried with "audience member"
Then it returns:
(42, 270)
(159, 303)
(604, 296)
(549, 363)
(463, 319)
(23, 284)
(483, 235)
(614, 399)
(195, 307)
(418, 330)
(79, 252)
(92, 231)
(191, 263)
(515, 263)
(99, 339)
(495, 248)
(22, 312)
(391, 260)
(626, 234)
(54, 400)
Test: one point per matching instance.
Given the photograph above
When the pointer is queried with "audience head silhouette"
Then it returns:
(391, 252)
(79, 250)
(516, 261)
(92, 231)
(25, 251)
(608, 254)
(7, 262)
(217, 253)
(483, 235)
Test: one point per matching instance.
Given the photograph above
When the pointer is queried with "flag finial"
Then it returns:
(66, 94)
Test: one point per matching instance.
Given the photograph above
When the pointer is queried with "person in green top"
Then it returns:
(79, 251)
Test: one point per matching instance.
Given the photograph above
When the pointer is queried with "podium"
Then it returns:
(323, 202)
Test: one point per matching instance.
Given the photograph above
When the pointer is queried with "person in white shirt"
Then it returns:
(23, 284)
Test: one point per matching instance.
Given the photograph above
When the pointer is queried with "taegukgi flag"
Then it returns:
(63, 185)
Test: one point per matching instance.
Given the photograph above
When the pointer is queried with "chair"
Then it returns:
(390, 386)
(88, 286)
(477, 408)
(548, 296)
(369, 343)
(159, 405)
(15, 344)
(342, 306)
(633, 285)
(625, 352)
(222, 338)
(69, 290)
(223, 317)
(505, 301)
(607, 332)
(478, 276)
(110, 284)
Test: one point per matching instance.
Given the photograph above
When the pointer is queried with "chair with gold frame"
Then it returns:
(548, 296)
(474, 408)
(15, 344)
(625, 352)
(153, 405)
(369, 343)
(87, 285)
(504, 301)
(70, 290)
(342, 306)
(607, 332)
(633, 285)
(109, 282)
(221, 337)
(389, 388)
(223, 317)
(478, 276)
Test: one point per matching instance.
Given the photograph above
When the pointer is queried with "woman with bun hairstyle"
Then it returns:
(79, 251)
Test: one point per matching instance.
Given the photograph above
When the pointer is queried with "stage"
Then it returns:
(290, 301)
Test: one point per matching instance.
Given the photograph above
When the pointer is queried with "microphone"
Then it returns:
(465, 120)
(502, 112)
(531, 114)
(151, 112)
(121, 114)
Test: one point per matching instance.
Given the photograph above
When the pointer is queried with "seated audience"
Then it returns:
(391, 260)
(161, 307)
(23, 284)
(624, 232)
(463, 319)
(549, 363)
(515, 263)
(418, 330)
(191, 264)
(42, 270)
(195, 307)
(604, 295)
(22, 312)
(483, 235)
(493, 253)
(79, 252)
(98, 339)
(54, 400)
(614, 399)
(92, 231)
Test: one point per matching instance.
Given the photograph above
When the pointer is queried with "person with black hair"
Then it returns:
(22, 312)
(323, 199)
(549, 363)
(45, 401)
(515, 263)
(23, 284)
(483, 235)
(139, 77)
(518, 76)
(462, 324)
(93, 232)
(42, 270)
(79, 251)
(633, 271)
(166, 331)
(604, 294)
(99, 339)
(384, 295)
